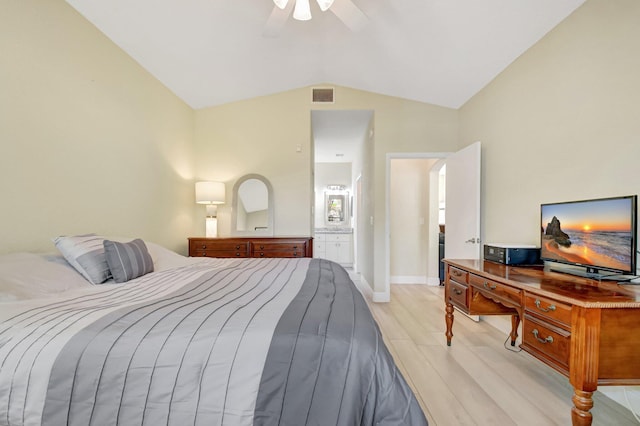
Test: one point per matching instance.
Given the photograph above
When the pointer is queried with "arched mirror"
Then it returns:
(252, 208)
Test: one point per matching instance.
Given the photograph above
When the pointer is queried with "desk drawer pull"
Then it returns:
(457, 291)
(549, 309)
(489, 286)
(549, 339)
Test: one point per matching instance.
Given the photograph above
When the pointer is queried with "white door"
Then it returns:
(462, 209)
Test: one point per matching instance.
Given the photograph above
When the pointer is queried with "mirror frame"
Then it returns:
(234, 207)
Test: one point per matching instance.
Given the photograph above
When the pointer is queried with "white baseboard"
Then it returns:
(433, 281)
(365, 288)
(374, 296)
(381, 297)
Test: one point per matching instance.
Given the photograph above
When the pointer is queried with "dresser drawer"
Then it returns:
(458, 275)
(251, 247)
(548, 310)
(204, 245)
(458, 294)
(495, 289)
(213, 248)
(546, 342)
(278, 249)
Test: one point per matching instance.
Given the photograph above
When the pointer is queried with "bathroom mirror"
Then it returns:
(252, 206)
(336, 208)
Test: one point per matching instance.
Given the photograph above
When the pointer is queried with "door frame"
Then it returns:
(385, 295)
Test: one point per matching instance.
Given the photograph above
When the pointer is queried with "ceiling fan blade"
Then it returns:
(277, 20)
(349, 14)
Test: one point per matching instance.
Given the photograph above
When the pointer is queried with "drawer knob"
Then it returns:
(261, 247)
(204, 246)
(237, 247)
(457, 291)
(456, 273)
(551, 308)
(489, 286)
(548, 339)
(238, 254)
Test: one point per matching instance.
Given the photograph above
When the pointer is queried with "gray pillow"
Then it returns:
(86, 254)
(128, 260)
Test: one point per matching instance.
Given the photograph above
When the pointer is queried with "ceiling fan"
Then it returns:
(345, 10)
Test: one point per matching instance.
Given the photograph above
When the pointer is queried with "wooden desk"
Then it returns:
(587, 330)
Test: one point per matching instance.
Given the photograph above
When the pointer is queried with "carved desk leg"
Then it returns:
(582, 403)
(515, 321)
(583, 362)
(449, 319)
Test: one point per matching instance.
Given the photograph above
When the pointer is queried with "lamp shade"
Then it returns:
(210, 192)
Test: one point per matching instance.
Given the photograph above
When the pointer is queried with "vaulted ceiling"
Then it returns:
(211, 52)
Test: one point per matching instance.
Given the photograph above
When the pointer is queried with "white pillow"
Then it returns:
(164, 259)
(28, 275)
(86, 254)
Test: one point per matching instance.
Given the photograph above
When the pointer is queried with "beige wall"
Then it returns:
(89, 141)
(562, 122)
(260, 135)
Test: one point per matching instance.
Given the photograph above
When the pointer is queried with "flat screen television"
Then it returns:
(599, 236)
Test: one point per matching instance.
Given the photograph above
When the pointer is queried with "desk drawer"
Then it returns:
(546, 342)
(458, 294)
(548, 310)
(496, 289)
(458, 275)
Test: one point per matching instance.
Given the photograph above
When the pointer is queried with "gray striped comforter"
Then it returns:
(221, 342)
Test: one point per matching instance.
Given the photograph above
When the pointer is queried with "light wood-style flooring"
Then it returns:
(476, 381)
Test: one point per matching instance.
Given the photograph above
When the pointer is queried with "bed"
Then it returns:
(193, 341)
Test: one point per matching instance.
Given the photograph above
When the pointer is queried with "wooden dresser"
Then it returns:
(587, 330)
(251, 247)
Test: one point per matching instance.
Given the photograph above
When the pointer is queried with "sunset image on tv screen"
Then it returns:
(592, 233)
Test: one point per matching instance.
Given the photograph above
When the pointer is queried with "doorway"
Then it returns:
(340, 143)
(415, 217)
(463, 195)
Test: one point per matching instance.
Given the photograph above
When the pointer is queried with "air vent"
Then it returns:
(321, 95)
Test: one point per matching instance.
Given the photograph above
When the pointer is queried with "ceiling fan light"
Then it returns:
(302, 12)
(324, 4)
(281, 3)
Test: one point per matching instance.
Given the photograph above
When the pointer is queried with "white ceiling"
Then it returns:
(211, 52)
